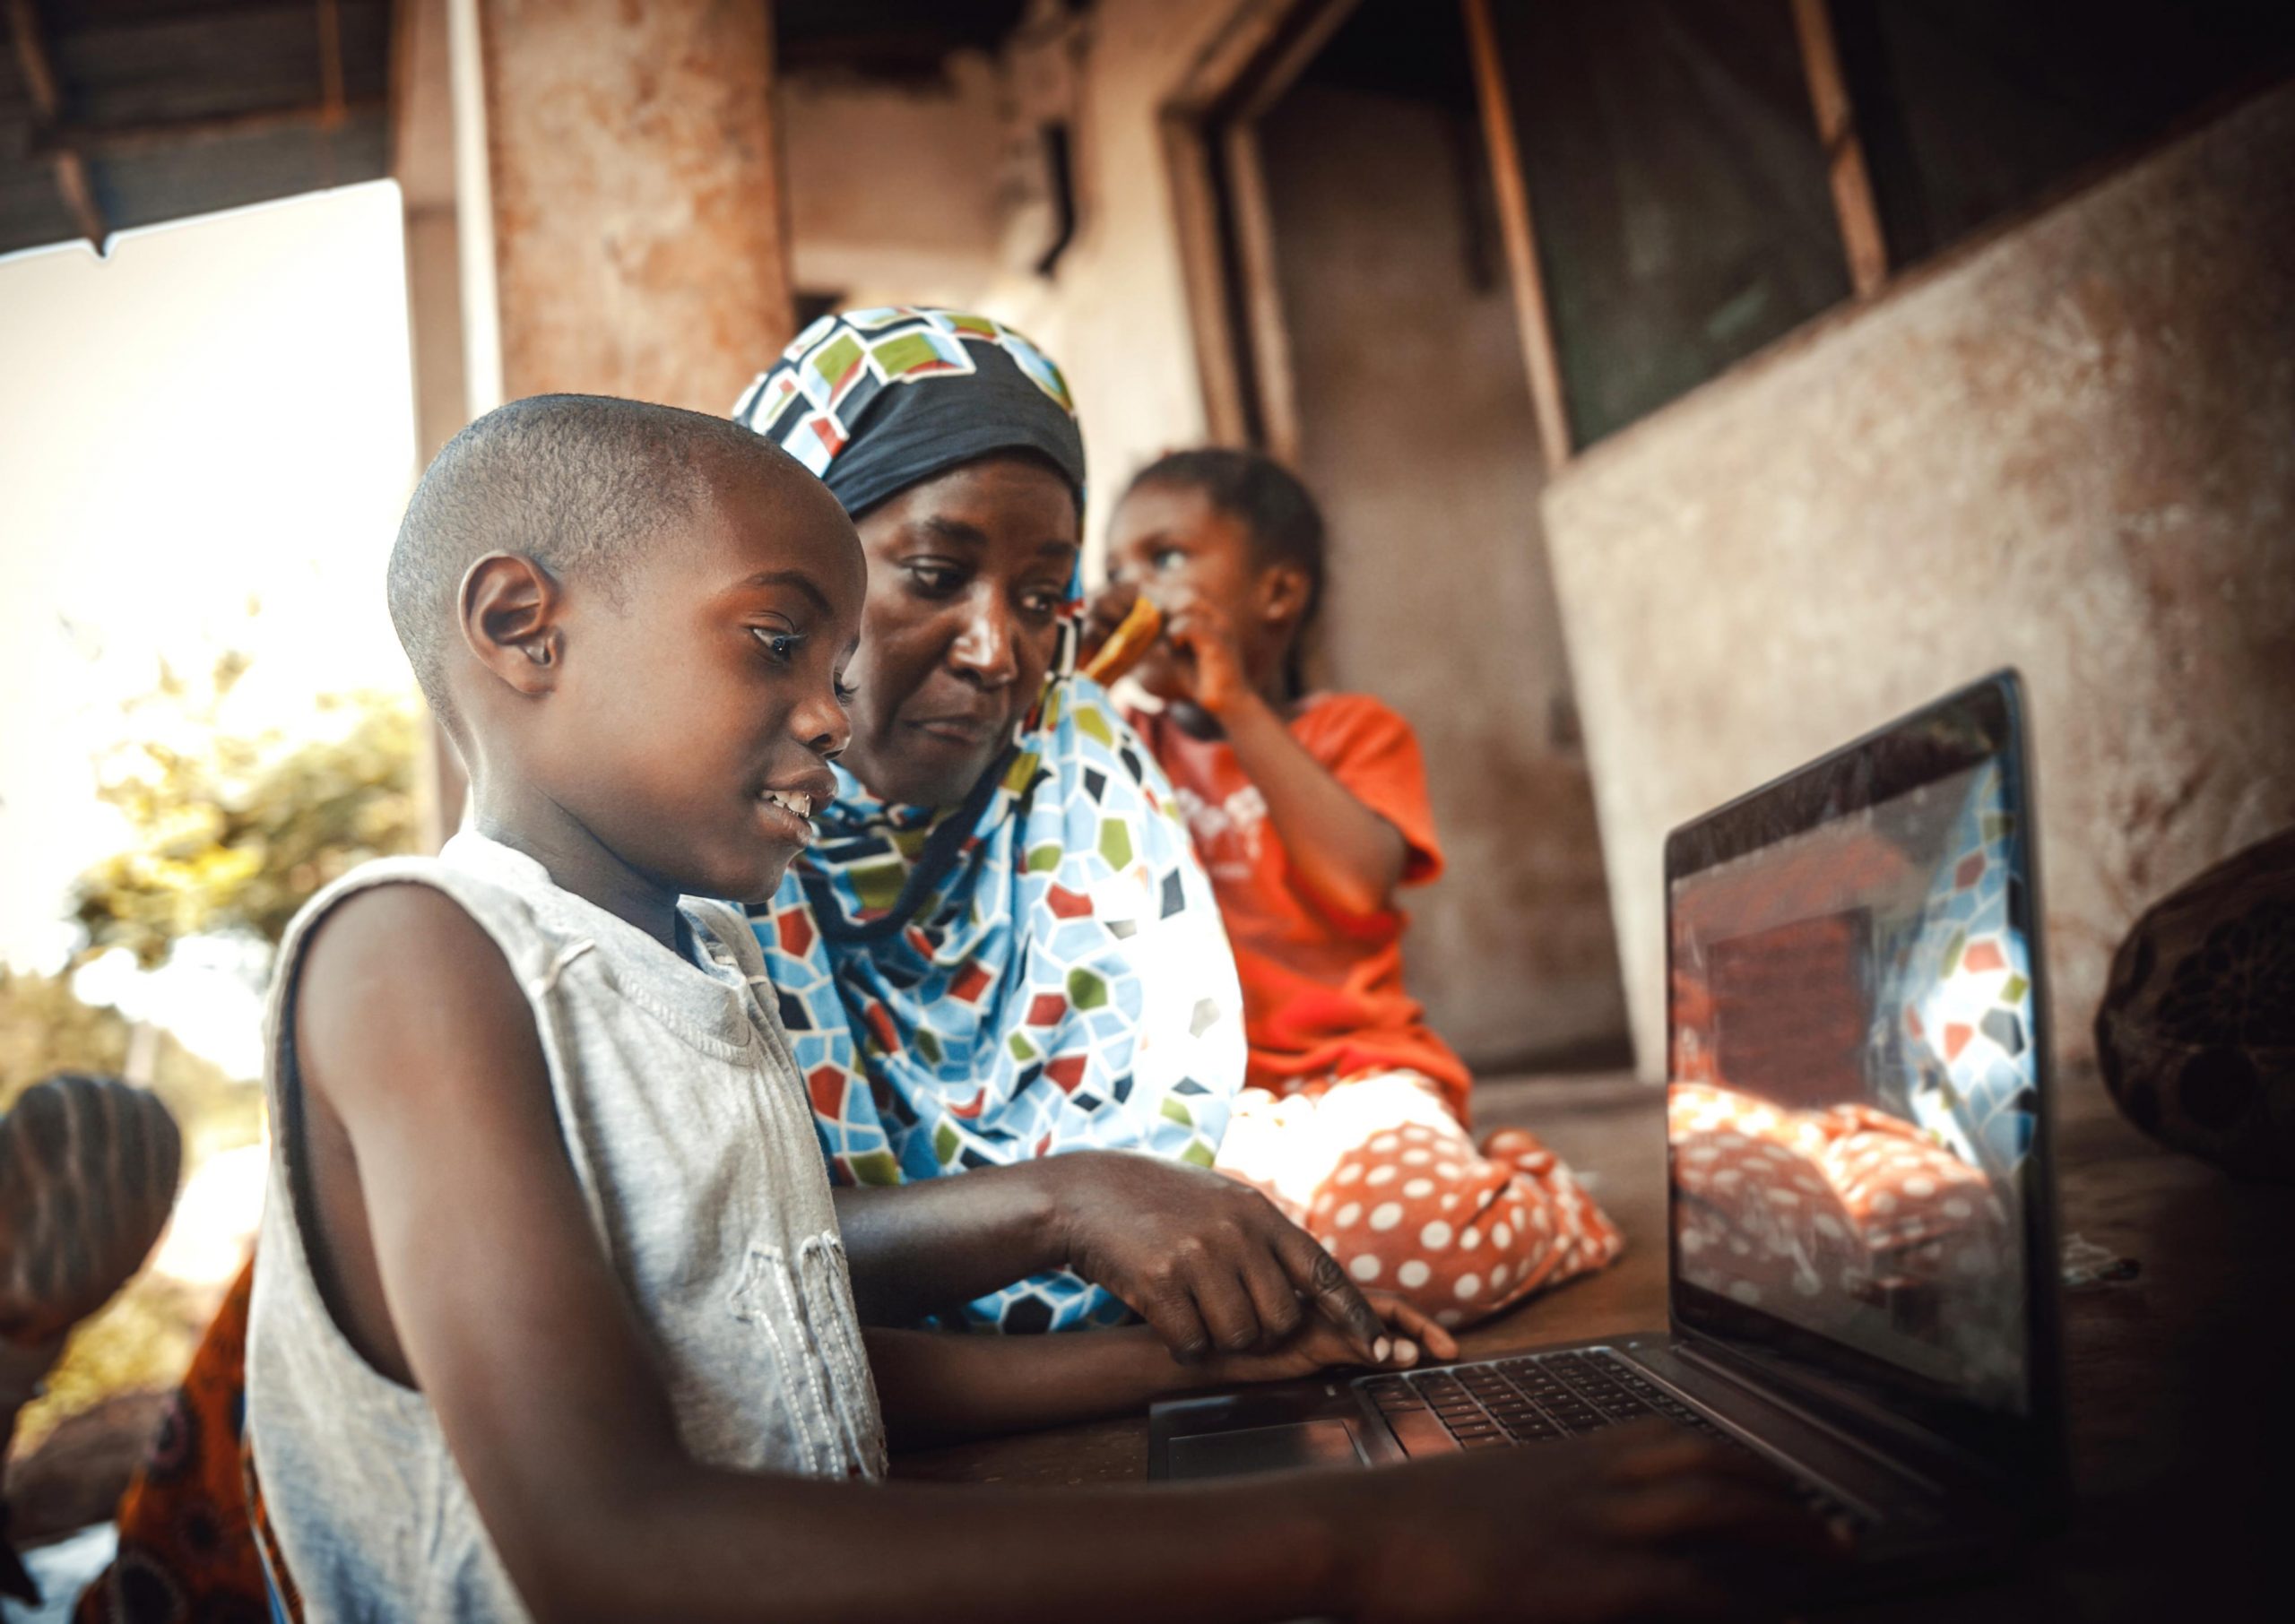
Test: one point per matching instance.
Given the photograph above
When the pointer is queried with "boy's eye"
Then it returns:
(781, 645)
(936, 580)
(1168, 558)
(1043, 602)
(845, 692)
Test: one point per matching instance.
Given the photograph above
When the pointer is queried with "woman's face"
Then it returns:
(967, 575)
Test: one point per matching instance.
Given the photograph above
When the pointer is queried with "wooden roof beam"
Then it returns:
(71, 182)
(159, 133)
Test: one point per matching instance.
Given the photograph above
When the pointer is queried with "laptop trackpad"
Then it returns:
(1284, 1448)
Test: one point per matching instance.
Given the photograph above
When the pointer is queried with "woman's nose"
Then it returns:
(984, 649)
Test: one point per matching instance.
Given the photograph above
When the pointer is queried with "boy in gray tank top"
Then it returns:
(553, 1317)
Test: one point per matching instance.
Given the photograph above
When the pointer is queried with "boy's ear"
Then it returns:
(1284, 589)
(509, 609)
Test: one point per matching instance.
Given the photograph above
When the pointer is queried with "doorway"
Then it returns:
(1347, 270)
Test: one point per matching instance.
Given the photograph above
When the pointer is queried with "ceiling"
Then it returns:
(120, 113)
(888, 38)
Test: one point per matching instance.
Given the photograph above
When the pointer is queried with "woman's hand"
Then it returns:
(1318, 1345)
(1207, 1262)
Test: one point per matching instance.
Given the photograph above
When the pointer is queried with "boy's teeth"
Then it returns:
(793, 801)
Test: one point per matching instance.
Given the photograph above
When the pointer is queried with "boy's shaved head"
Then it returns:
(583, 485)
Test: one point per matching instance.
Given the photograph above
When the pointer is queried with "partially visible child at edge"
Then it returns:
(1309, 812)
(552, 1314)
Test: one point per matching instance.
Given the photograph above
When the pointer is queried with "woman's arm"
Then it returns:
(1208, 1263)
(517, 1331)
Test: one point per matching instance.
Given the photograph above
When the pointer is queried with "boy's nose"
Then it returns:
(824, 726)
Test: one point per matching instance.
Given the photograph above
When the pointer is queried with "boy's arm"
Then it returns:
(936, 1387)
(1208, 1263)
(517, 1333)
(1349, 856)
(415, 1039)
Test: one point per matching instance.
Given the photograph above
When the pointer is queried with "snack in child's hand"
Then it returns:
(1127, 643)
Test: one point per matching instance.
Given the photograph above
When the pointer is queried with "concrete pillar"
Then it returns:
(638, 239)
(423, 163)
(593, 203)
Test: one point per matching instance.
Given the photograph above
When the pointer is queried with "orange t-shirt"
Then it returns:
(1322, 990)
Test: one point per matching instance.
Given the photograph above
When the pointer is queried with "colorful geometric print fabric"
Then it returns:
(1962, 988)
(1063, 982)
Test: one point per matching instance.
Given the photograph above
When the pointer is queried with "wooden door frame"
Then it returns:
(1227, 235)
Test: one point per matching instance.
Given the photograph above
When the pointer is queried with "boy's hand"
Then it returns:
(1207, 1262)
(1210, 662)
(1319, 1345)
(1644, 1522)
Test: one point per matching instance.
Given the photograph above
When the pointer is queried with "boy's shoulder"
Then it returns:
(512, 915)
(1349, 721)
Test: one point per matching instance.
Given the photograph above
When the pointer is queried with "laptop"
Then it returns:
(1862, 1266)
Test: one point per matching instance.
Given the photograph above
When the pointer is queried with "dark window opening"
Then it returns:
(1969, 108)
(1683, 214)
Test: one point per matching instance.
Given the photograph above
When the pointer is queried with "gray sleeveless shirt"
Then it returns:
(690, 1131)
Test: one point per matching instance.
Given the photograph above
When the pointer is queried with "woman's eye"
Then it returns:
(1041, 603)
(937, 580)
(1169, 557)
(846, 693)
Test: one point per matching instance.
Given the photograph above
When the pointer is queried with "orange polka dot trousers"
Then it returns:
(1379, 1169)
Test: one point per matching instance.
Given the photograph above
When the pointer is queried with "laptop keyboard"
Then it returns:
(1538, 1396)
(1535, 1397)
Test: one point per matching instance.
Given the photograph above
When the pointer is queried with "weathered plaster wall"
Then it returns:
(636, 201)
(1415, 435)
(1115, 314)
(1419, 442)
(892, 188)
(2072, 450)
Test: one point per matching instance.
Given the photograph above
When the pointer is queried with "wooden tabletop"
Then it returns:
(2182, 1410)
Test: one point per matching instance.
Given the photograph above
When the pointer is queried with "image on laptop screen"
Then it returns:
(1853, 1089)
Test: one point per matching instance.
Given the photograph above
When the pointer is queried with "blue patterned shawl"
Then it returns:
(1040, 969)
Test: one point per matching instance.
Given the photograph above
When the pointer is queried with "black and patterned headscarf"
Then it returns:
(874, 402)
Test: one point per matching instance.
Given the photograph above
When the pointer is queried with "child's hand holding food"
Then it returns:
(1210, 664)
(1121, 626)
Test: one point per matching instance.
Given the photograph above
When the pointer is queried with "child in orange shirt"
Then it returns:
(1310, 811)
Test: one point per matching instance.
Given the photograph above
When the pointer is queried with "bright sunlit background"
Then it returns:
(205, 440)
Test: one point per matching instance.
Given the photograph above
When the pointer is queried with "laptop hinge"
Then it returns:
(1793, 1395)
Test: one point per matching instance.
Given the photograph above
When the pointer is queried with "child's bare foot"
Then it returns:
(1521, 1148)
(88, 1173)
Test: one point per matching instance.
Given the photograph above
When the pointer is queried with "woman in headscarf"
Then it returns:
(1000, 946)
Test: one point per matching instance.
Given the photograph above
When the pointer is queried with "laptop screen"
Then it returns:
(1855, 1076)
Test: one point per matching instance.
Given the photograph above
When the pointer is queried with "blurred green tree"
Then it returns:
(230, 833)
